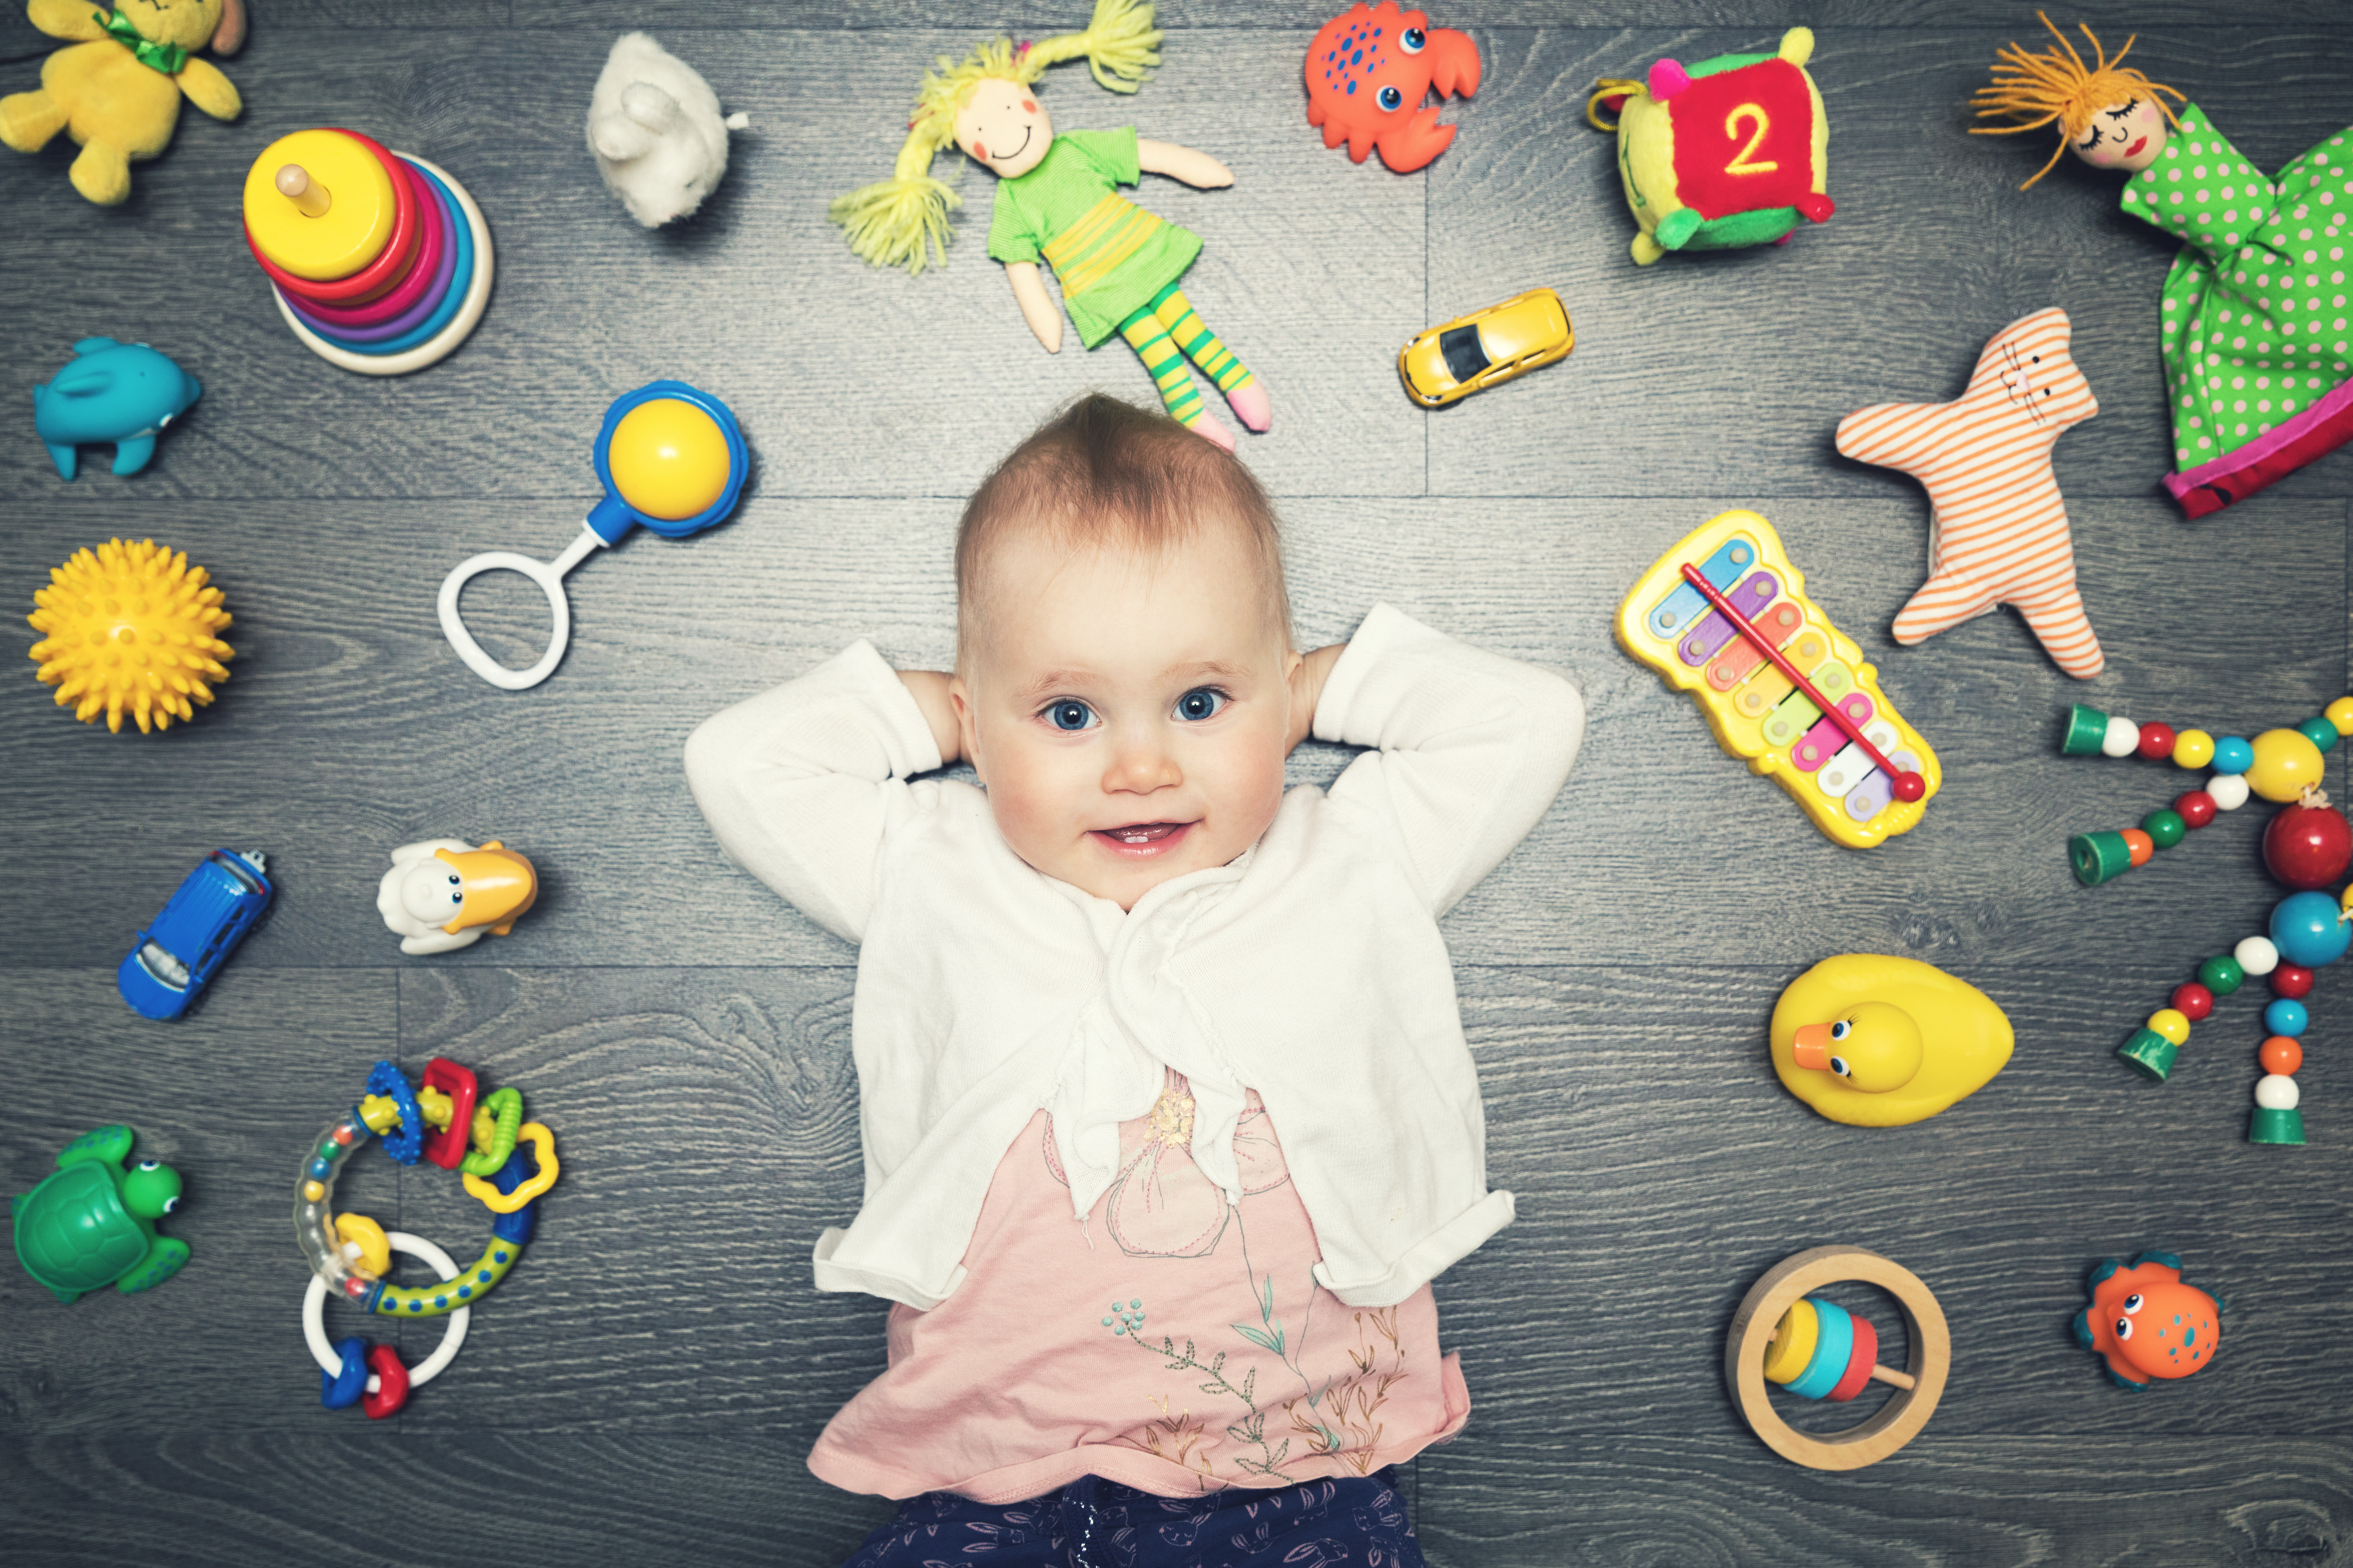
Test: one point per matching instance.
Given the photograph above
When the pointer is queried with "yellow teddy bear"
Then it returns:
(118, 94)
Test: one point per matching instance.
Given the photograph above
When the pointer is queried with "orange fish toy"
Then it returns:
(2146, 1323)
(1368, 73)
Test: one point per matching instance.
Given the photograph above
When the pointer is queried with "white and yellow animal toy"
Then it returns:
(442, 894)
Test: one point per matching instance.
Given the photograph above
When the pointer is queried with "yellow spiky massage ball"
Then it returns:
(131, 629)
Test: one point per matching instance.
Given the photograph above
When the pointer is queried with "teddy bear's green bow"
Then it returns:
(165, 57)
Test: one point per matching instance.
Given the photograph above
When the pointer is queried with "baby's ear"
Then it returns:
(228, 36)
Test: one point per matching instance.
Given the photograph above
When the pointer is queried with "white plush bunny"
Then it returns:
(654, 126)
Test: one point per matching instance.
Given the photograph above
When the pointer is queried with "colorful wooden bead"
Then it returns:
(2291, 980)
(2157, 741)
(2341, 713)
(2192, 1001)
(2232, 754)
(2285, 763)
(2319, 732)
(2256, 955)
(2165, 828)
(1858, 1363)
(2193, 749)
(2276, 1092)
(2305, 930)
(2139, 844)
(2280, 1055)
(2286, 1017)
(1833, 1343)
(2227, 791)
(2221, 974)
(1793, 1344)
(2170, 1023)
(2196, 806)
(2122, 740)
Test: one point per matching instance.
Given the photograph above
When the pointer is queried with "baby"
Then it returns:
(1091, 991)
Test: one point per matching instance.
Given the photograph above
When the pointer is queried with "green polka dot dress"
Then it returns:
(2257, 323)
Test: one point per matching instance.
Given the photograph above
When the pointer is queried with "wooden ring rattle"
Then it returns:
(1814, 1360)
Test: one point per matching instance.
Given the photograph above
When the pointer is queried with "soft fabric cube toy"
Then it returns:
(1729, 153)
(118, 93)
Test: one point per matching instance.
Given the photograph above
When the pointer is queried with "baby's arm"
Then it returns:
(1196, 169)
(802, 783)
(1307, 690)
(1469, 747)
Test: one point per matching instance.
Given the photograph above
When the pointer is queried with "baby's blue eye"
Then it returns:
(1071, 715)
(1201, 702)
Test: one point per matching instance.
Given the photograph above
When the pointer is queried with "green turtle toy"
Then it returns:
(93, 1223)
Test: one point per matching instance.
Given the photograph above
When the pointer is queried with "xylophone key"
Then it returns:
(1826, 741)
(1758, 699)
(1749, 597)
(1679, 609)
(1780, 624)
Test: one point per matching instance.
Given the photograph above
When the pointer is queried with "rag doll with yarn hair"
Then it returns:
(2253, 328)
(1119, 266)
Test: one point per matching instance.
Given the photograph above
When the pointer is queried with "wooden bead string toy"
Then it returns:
(381, 262)
(2278, 765)
(2308, 931)
(350, 1254)
(1817, 1350)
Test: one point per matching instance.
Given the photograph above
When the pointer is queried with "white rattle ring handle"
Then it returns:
(549, 575)
(314, 1303)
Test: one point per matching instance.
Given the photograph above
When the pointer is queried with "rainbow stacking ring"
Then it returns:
(380, 261)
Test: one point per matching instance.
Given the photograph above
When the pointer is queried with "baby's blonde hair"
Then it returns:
(2036, 90)
(1103, 473)
(889, 223)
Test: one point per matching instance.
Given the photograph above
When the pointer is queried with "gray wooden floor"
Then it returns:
(645, 1388)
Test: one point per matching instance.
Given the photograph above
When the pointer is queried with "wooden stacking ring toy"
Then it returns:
(351, 1256)
(380, 262)
(1818, 1351)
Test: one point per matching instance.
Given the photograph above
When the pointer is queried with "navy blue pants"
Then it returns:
(1094, 1523)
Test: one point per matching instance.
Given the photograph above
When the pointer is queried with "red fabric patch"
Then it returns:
(1730, 126)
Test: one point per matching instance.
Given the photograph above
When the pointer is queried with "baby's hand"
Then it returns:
(1307, 690)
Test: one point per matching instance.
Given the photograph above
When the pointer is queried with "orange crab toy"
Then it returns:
(2146, 1323)
(1367, 73)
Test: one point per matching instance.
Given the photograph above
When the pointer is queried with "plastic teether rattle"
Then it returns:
(669, 457)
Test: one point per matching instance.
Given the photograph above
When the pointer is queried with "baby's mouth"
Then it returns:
(1141, 833)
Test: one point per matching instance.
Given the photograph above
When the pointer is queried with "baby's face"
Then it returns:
(2130, 135)
(1129, 715)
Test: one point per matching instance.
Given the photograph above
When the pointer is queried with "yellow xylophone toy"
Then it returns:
(1724, 617)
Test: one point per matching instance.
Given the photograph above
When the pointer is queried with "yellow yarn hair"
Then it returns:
(903, 221)
(2036, 90)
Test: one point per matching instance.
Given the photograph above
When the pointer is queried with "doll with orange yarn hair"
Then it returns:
(2255, 326)
(1120, 267)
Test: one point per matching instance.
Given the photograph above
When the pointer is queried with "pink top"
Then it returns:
(1172, 1344)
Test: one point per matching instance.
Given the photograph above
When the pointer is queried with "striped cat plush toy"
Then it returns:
(1997, 524)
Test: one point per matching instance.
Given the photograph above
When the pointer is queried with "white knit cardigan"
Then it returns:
(1310, 968)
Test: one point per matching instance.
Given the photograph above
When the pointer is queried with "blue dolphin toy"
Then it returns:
(122, 393)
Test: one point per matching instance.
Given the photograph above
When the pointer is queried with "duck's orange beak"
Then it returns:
(1813, 1047)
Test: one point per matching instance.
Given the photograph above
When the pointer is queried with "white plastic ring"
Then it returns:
(315, 1304)
(549, 575)
(443, 343)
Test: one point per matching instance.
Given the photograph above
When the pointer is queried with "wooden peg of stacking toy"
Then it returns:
(309, 197)
(1783, 1335)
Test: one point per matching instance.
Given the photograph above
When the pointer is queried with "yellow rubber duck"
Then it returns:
(1875, 1041)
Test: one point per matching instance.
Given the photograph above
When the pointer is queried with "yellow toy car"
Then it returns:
(1473, 353)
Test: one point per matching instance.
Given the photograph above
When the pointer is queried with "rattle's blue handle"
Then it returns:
(611, 517)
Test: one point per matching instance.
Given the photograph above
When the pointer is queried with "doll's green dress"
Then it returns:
(1110, 256)
(2255, 318)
